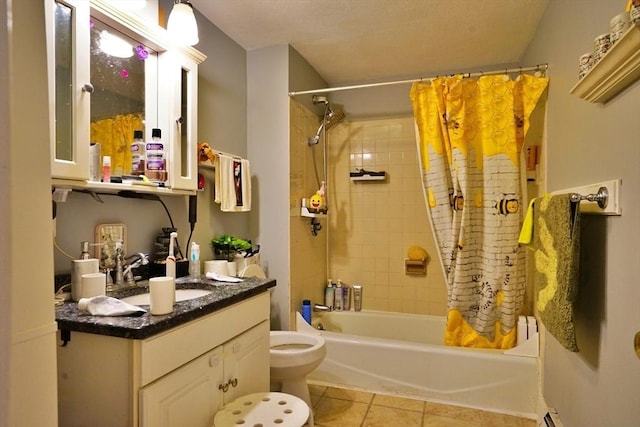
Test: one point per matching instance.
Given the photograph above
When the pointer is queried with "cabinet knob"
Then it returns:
(179, 120)
(214, 361)
(233, 382)
(88, 87)
(236, 347)
(224, 387)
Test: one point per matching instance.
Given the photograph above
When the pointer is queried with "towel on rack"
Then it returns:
(232, 183)
(526, 232)
(556, 245)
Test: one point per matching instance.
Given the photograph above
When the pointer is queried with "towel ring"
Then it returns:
(602, 197)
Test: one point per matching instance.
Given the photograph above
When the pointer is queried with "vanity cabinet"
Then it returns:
(177, 378)
(111, 73)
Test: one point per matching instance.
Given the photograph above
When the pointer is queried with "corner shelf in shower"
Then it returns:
(305, 212)
(617, 70)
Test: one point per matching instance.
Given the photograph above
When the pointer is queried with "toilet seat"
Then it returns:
(281, 357)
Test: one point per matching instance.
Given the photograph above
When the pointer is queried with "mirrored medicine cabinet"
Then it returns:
(111, 74)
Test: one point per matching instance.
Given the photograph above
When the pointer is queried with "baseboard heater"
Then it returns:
(551, 419)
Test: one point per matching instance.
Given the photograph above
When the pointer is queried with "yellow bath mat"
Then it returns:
(556, 245)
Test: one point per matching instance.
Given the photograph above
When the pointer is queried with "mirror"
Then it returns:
(119, 68)
(63, 49)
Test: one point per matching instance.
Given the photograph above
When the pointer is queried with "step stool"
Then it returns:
(263, 410)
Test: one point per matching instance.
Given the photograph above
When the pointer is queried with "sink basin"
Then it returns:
(181, 295)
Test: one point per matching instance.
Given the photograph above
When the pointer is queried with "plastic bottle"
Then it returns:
(138, 154)
(338, 297)
(106, 169)
(194, 261)
(306, 310)
(329, 295)
(156, 164)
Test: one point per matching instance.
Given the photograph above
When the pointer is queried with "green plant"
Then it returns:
(227, 246)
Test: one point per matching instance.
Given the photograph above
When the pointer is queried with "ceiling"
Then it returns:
(358, 41)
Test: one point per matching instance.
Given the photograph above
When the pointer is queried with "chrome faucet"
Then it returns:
(142, 259)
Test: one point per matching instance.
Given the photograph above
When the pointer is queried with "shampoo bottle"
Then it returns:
(306, 310)
(329, 295)
(338, 298)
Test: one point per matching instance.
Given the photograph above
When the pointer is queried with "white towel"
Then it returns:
(232, 184)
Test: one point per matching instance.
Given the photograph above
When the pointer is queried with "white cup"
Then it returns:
(217, 266)
(92, 285)
(78, 268)
(162, 295)
(232, 268)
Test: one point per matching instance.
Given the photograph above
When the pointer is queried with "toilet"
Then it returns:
(293, 355)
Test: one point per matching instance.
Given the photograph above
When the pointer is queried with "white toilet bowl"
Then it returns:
(293, 355)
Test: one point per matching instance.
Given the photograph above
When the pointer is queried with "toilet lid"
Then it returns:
(253, 270)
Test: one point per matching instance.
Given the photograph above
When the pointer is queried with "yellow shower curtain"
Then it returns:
(470, 133)
(115, 135)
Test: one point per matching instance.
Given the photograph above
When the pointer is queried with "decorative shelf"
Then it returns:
(113, 188)
(617, 70)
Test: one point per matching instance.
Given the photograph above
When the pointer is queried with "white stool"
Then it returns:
(263, 410)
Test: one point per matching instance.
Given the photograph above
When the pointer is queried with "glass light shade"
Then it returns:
(182, 24)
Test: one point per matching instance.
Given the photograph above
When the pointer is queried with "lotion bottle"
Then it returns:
(194, 261)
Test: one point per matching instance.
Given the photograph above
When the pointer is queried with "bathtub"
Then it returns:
(403, 355)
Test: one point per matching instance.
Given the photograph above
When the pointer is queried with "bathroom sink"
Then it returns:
(181, 295)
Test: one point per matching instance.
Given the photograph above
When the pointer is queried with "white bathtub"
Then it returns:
(403, 355)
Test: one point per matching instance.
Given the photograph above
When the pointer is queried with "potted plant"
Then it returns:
(226, 246)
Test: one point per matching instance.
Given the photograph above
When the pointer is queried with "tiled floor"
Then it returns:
(336, 407)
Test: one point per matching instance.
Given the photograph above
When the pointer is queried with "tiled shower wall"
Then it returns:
(370, 225)
(308, 253)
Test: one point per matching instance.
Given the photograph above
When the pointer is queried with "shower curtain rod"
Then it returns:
(539, 67)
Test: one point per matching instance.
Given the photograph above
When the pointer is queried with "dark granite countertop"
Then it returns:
(69, 318)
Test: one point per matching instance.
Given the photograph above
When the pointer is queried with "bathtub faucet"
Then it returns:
(319, 307)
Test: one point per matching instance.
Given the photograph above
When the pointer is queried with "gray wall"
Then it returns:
(588, 143)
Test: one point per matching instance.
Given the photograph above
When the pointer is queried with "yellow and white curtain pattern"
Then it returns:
(115, 135)
(470, 134)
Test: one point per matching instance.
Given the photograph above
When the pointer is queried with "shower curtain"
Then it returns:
(470, 134)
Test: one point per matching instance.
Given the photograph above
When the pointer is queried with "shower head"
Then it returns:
(319, 99)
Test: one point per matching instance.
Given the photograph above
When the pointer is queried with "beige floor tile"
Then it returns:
(398, 402)
(318, 390)
(382, 416)
(346, 394)
(456, 412)
(331, 412)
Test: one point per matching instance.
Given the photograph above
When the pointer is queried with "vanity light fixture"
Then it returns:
(182, 23)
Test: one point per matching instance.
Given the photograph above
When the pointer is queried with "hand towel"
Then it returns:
(556, 240)
(232, 184)
(526, 233)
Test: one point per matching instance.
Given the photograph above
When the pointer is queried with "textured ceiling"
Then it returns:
(355, 41)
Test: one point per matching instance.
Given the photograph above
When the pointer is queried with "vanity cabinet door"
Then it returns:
(188, 396)
(246, 362)
(67, 27)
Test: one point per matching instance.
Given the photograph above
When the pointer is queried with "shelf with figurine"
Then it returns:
(316, 205)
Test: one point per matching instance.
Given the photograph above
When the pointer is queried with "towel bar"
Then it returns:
(607, 194)
(602, 197)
